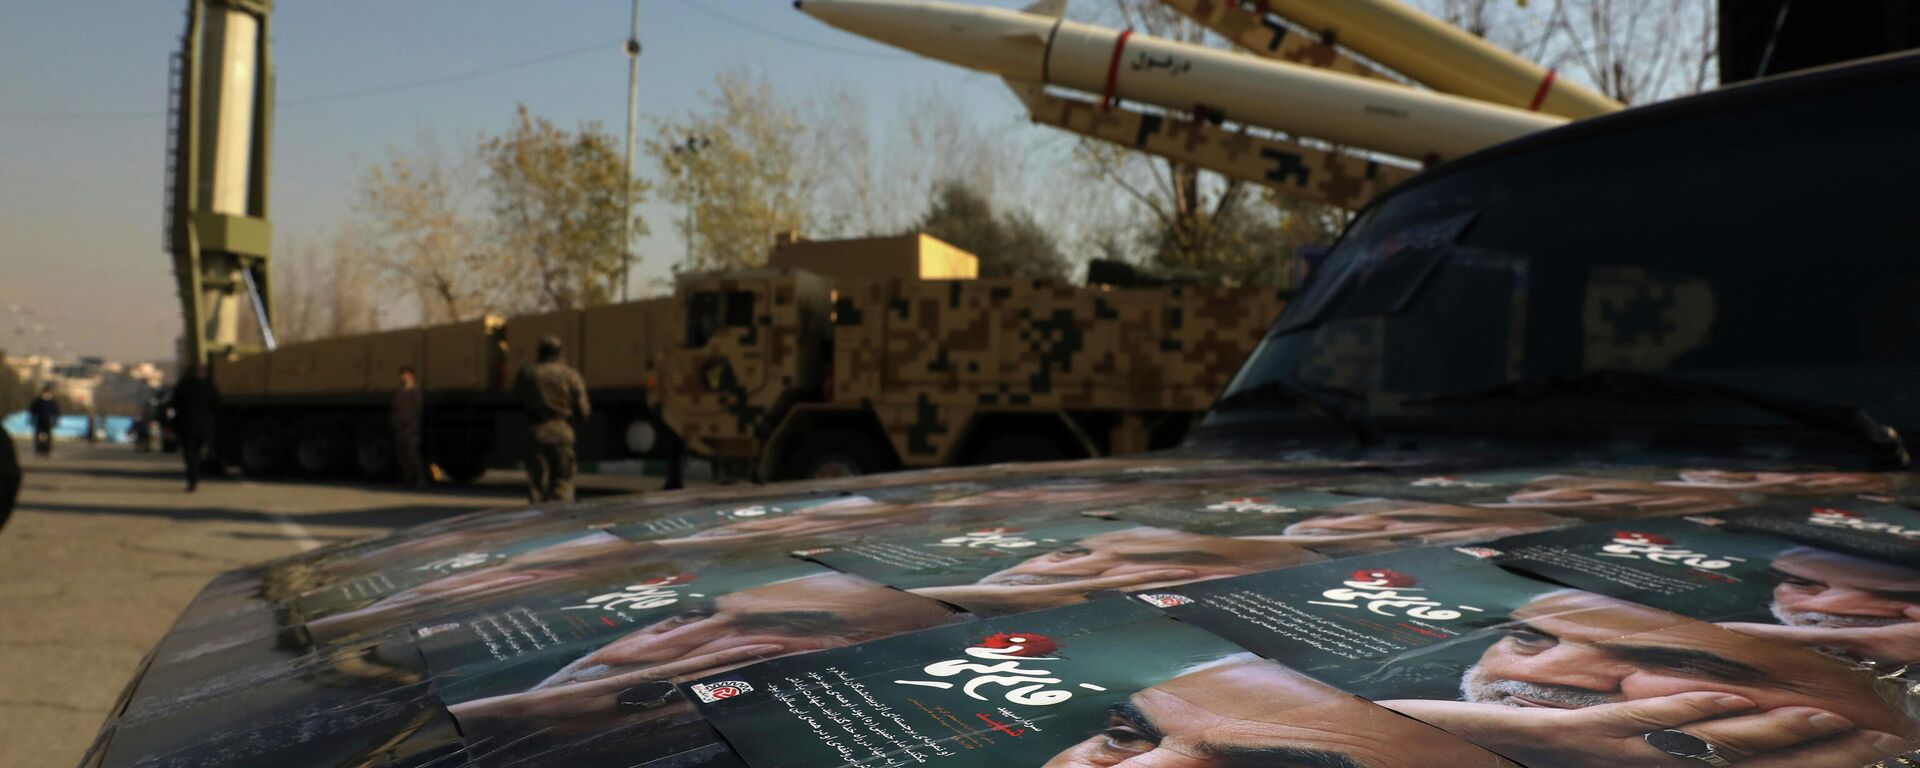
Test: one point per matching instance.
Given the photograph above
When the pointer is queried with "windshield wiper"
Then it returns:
(1336, 404)
(1883, 442)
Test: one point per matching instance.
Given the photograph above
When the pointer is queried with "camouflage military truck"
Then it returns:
(841, 357)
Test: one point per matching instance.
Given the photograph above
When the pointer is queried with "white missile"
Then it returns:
(1116, 64)
(1439, 54)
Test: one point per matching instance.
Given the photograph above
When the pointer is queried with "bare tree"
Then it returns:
(838, 161)
(298, 282)
(1634, 51)
(318, 293)
(353, 296)
(557, 206)
(734, 166)
(417, 228)
(872, 176)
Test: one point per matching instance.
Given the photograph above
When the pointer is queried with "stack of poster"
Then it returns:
(419, 594)
(592, 669)
(1095, 684)
(1337, 524)
(1049, 562)
(1757, 584)
(1545, 674)
(1614, 496)
(1878, 530)
(1619, 494)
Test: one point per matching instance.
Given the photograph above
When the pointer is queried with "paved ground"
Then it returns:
(105, 549)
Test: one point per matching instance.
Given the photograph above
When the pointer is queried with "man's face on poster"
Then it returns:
(1571, 650)
(1785, 483)
(794, 616)
(1396, 520)
(1140, 550)
(1827, 589)
(1627, 498)
(1253, 713)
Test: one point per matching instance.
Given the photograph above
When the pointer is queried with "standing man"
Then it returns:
(404, 421)
(195, 405)
(46, 413)
(555, 399)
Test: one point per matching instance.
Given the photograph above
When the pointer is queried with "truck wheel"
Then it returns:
(836, 453)
(461, 465)
(373, 453)
(262, 447)
(320, 447)
(1023, 446)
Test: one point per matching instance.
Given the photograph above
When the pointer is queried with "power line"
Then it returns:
(608, 45)
(51, 117)
(790, 39)
(125, 114)
(459, 76)
(611, 44)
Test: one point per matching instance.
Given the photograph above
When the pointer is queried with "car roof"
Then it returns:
(1863, 73)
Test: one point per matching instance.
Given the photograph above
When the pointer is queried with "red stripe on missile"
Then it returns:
(1540, 96)
(1113, 69)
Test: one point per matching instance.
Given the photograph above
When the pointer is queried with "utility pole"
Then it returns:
(633, 116)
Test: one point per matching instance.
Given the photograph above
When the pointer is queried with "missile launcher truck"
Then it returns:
(845, 357)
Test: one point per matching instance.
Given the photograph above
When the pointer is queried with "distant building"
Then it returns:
(92, 384)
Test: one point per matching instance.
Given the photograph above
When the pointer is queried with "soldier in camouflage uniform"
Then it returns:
(555, 399)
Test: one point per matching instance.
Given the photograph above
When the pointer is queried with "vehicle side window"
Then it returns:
(703, 318)
(739, 309)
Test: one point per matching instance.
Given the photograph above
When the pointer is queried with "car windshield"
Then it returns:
(1778, 254)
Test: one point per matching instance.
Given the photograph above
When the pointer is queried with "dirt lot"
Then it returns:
(105, 548)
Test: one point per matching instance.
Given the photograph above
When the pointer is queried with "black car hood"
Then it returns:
(639, 630)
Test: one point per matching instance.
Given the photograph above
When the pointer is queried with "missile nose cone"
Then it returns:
(996, 40)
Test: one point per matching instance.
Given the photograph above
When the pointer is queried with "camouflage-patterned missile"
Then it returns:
(1117, 64)
(1313, 174)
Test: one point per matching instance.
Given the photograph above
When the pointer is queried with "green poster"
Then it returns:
(1375, 625)
(604, 659)
(1338, 524)
(1623, 493)
(1616, 495)
(1259, 510)
(692, 522)
(1689, 566)
(333, 566)
(410, 574)
(1881, 531)
(542, 639)
(1756, 584)
(1023, 565)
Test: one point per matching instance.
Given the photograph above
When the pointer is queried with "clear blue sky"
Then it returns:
(83, 93)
